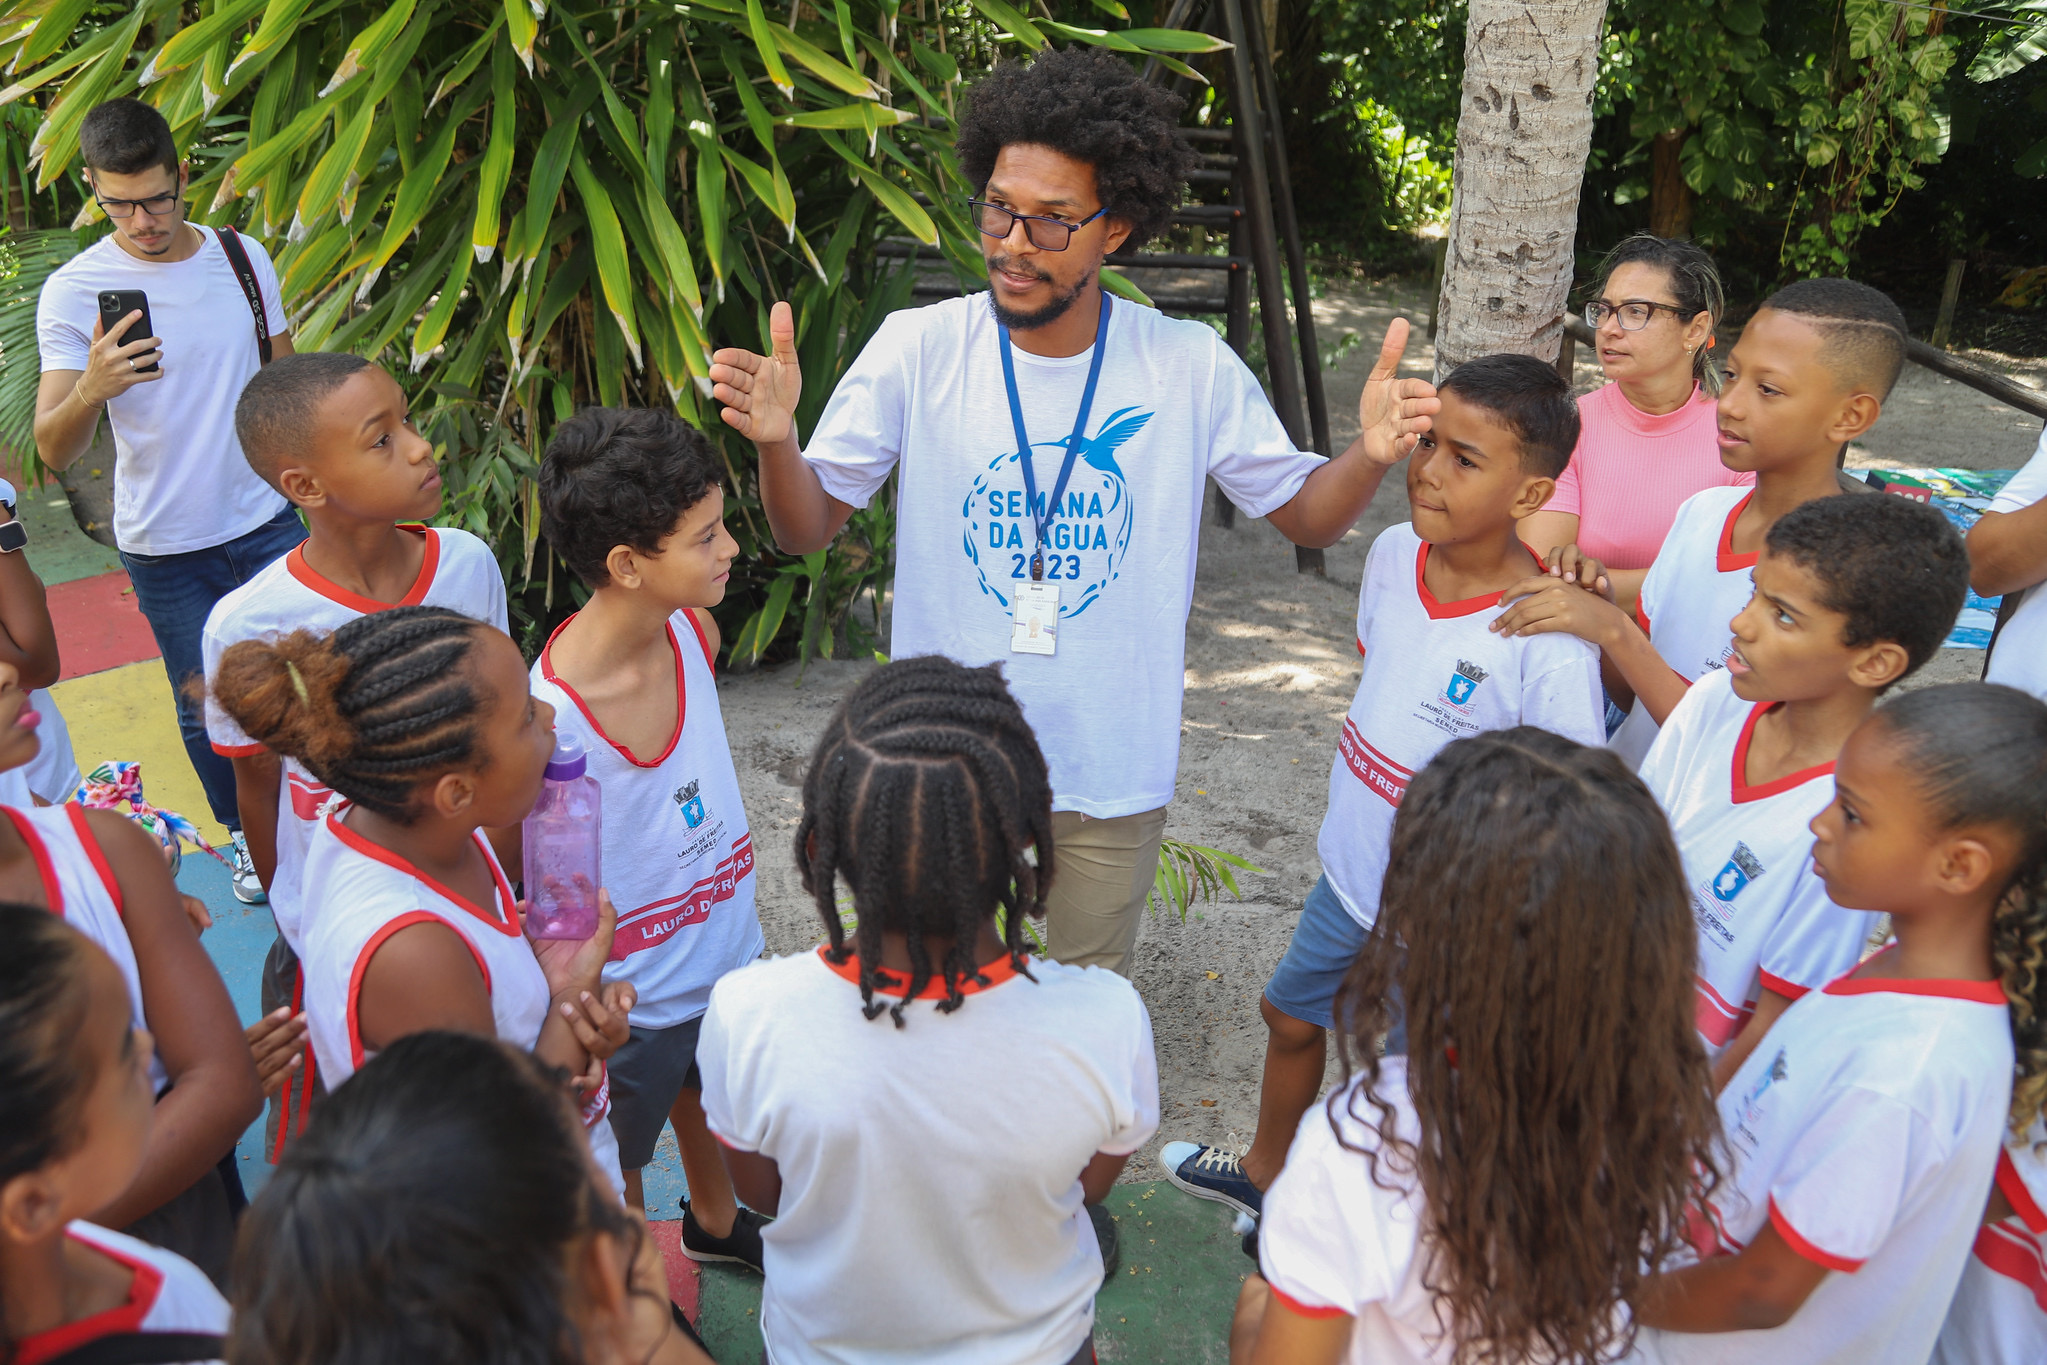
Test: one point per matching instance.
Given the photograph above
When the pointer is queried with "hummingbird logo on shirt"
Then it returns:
(1464, 681)
(1742, 868)
(1086, 536)
(692, 804)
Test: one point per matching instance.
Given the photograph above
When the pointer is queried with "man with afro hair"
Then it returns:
(1074, 562)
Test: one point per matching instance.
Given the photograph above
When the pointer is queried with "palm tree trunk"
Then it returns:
(1522, 139)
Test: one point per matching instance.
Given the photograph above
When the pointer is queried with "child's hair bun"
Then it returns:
(281, 693)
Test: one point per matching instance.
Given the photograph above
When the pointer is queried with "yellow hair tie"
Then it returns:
(298, 684)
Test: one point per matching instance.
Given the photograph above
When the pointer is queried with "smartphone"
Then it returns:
(116, 304)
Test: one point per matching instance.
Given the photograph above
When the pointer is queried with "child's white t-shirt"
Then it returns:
(166, 1293)
(2020, 656)
(1999, 1315)
(1433, 672)
(1763, 914)
(925, 400)
(1335, 1241)
(931, 1199)
(1689, 599)
(458, 571)
(677, 856)
(1865, 1129)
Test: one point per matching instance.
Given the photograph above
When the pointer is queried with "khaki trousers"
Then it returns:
(1102, 875)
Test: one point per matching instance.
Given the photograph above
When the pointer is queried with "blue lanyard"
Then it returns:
(1042, 516)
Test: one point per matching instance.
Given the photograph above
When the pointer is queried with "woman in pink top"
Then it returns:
(1648, 439)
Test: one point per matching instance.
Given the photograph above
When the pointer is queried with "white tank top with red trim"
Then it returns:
(677, 854)
(79, 885)
(358, 894)
(166, 1293)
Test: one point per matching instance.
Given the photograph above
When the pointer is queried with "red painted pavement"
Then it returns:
(683, 1285)
(98, 624)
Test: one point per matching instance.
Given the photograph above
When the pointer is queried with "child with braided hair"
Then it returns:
(1864, 1129)
(1006, 1090)
(420, 720)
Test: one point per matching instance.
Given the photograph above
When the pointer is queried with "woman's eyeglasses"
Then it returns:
(1634, 314)
(1046, 234)
(156, 206)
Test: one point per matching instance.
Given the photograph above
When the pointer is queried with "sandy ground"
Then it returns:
(1271, 670)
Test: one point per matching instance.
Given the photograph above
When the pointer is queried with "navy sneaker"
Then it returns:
(1212, 1173)
(741, 1246)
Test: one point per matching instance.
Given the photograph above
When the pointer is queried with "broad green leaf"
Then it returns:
(550, 166)
(1013, 22)
(280, 23)
(421, 188)
(862, 116)
(370, 44)
(497, 153)
(56, 140)
(710, 200)
(323, 187)
(898, 202)
(466, 65)
(76, 57)
(2032, 162)
(757, 116)
(822, 64)
(51, 31)
(777, 196)
(195, 40)
(1115, 42)
(1117, 283)
(764, 37)
(607, 246)
(681, 272)
(524, 28)
(1172, 40)
(433, 328)
(1113, 9)
(843, 12)
(660, 113)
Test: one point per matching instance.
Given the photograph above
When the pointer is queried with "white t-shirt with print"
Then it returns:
(1764, 916)
(1689, 599)
(926, 399)
(166, 1293)
(1433, 672)
(2020, 658)
(931, 1200)
(1865, 1129)
(458, 572)
(180, 480)
(1999, 1315)
(1334, 1241)
(676, 856)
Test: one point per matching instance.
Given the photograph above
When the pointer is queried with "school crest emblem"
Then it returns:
(1742, 868)
(1463, 684)
(692, 804)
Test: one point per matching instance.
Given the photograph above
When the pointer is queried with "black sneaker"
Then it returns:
(1106, 1235)
(742, 1245)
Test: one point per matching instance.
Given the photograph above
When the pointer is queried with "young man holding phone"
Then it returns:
(191, 519)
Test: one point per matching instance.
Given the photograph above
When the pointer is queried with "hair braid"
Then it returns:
(929, 795)
(1978, 753)
(382, 704)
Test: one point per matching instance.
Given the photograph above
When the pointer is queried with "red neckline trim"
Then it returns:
(295, 564)
(509, 926)
(1978, 992)
(934, 989)
(681, 693)
(1742, 791)
(1439, 611)
(1725, 559)
(143, 1289)
(53, 890)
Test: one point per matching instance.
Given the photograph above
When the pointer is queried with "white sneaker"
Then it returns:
(248, 886)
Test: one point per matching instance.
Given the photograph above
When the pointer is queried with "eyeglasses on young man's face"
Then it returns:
(1046, 234)
(156, 205)
(1633, 314)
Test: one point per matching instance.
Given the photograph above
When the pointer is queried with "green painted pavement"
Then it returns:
(1170, 1302)
(57, 550)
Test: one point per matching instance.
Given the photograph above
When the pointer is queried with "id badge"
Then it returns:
(1035, 619)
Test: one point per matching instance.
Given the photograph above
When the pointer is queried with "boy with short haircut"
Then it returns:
(1851, 597)
(1809, 374)
(630, 499)
(1432, 673)
(332, 433)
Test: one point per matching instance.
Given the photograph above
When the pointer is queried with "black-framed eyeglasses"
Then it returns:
(156, 206)
(1046, 234)
(1634, 314)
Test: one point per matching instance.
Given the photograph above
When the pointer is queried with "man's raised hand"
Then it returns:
(1394, 412)
(757, 393)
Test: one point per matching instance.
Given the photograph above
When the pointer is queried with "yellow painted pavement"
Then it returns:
(129, 713)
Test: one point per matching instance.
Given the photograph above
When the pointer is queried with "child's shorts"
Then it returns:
(1325, 942)
(654, 1066)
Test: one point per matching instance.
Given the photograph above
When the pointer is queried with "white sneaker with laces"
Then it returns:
(248, 886)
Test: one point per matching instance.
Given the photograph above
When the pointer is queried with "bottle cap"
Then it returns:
(568, 762)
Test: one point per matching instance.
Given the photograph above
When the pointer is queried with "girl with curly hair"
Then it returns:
(1496, 1194)
(1864, 1129)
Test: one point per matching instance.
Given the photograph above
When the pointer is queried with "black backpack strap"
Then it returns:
(238, 259)
(145, 1348)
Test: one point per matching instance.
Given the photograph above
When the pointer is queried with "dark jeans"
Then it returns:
(176, 592)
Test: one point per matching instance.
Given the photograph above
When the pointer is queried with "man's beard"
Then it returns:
(1041, 317)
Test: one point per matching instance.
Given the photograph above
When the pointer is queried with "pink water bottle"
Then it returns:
(561, 847)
